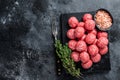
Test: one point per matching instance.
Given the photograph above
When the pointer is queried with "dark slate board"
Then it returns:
(104, 64)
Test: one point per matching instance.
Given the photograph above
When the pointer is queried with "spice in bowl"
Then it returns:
(103, 19)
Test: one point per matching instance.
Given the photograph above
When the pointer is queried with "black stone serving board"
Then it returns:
(104, 64)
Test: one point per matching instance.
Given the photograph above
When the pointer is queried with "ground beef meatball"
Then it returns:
(72, 44)
(104, 50)
(75, 56)
(79, 32)
(87, 65)
(73, 22)
(102, 42)
(81, 24)
(89, 25)
(94, 31)
(81, 46)
(93, 50)
(96, 58)
(84, 57)
(102, 34)
(71, 33)
(90, 38)
(87, 16)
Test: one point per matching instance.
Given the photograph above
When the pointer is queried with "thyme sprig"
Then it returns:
(63, 53)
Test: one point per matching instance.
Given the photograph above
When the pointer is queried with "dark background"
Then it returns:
(26, 42)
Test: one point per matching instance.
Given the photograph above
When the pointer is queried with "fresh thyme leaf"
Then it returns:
(63, 53)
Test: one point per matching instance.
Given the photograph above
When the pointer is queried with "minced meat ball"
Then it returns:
(102, 42)
(75, 56)
(89, 24)
(79, 32)
(84, 57)
(93, 50)
(87, 65)
(104, 50)
(90, 38)
(96, 58)
(87, 16)
(81, 46)
(72, 44)
(73, 22)
(81, 24)
(71, 33)
(102, 34)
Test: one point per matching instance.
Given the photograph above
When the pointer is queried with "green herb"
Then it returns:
(63, 53)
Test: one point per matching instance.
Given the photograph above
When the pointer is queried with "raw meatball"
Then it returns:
(96, 58)
(103, 51)
(72, 44)
(73, 22)
(87, 65)
(95, 41)
(79, 32)
(83, 37)
(94, 31)
(89, 25)
(81, 24)
(81, 46)
(75, 56)
(102, 42)
(87, 16)
(93, 50)
(102, 34)
(71, 34)
(84, 57)
(90, 38)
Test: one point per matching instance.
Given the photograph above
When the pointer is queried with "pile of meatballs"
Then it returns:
(86, 42)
